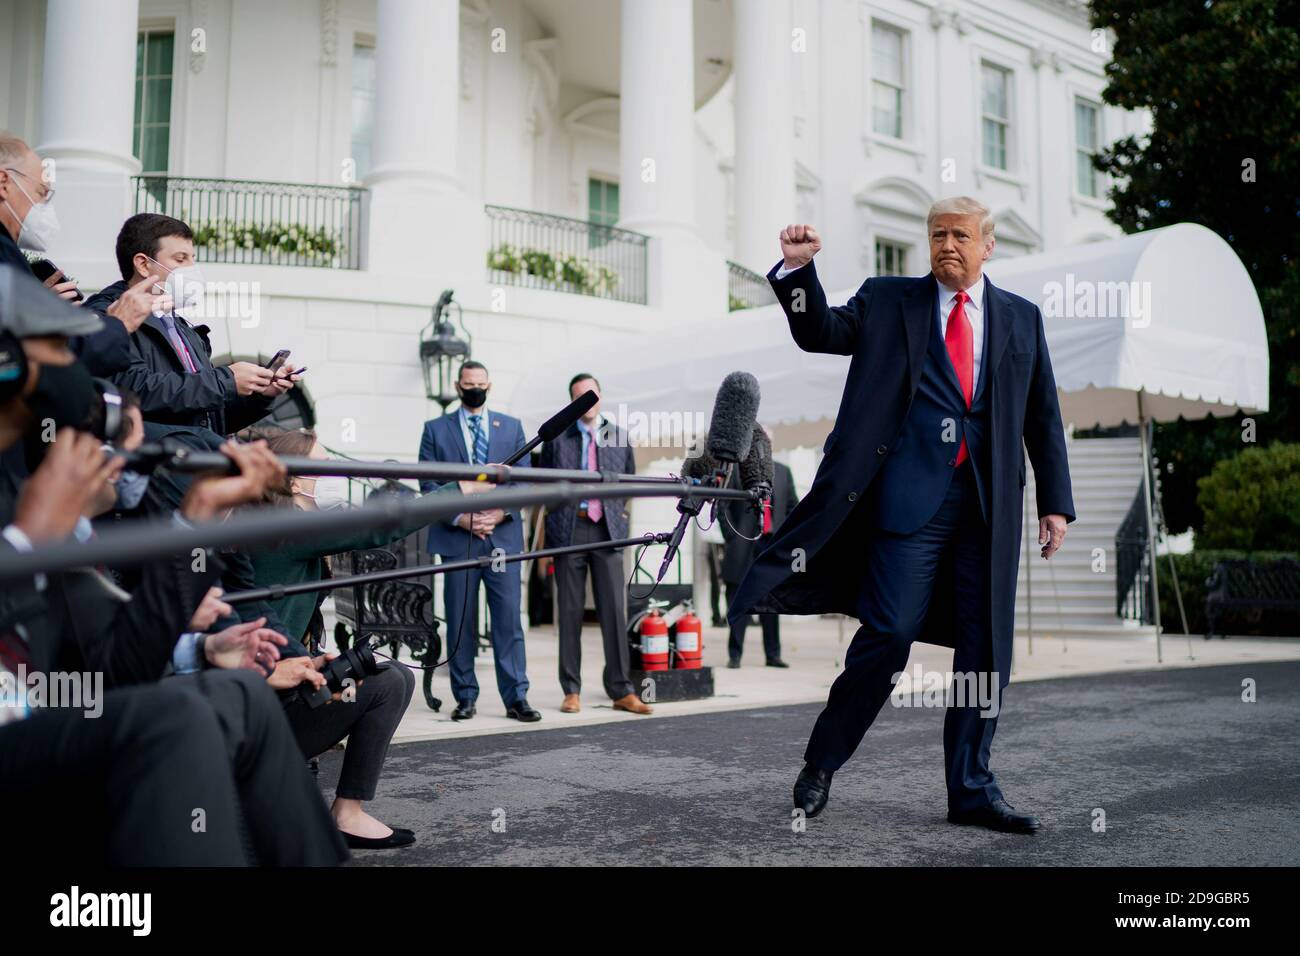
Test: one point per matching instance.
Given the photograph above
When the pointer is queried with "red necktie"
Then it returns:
(960, 340)
(595, 510)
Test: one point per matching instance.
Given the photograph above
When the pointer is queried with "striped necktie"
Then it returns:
(178, 343)
(480, 439)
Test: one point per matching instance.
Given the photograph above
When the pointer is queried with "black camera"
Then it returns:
(355, 664)
(107, 420)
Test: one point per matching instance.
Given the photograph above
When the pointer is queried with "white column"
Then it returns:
(657, 117)
(415, 195)
(417, 93)
(87, 104)
(657, 157)
(764, 111)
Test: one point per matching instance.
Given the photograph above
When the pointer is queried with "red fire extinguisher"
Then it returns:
(654, 642)
(689, 642)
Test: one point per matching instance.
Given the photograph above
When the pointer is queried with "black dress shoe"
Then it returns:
(812, 790)
(399, 837)
(464, 711)
(998, 815)
(733, 664)
(776, 662)
(524, 712)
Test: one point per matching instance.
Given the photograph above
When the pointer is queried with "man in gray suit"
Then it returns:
(593, 443)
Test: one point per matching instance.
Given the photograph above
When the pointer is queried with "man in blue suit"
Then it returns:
(913, 522)
(474, 435)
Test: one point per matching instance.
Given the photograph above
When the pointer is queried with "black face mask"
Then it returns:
(63, 396)
(473, 397)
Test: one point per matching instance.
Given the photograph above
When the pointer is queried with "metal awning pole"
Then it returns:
(1029, 568)
(1151, 524)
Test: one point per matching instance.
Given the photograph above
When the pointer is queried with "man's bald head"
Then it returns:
(22, 181)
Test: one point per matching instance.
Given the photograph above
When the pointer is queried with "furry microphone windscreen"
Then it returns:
(735, 412)
(756, 469)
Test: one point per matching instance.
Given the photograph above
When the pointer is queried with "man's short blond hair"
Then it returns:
(961, 206)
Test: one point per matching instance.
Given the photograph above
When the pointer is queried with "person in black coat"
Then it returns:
(913, 522)
(172, 773)
(171, 361)
(592, 444)
(747, 532)
(27, 222)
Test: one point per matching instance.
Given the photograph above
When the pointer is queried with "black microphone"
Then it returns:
(757, 474)
(730, 436)
(557, 424)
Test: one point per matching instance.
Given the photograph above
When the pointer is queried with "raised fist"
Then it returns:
(799, 243)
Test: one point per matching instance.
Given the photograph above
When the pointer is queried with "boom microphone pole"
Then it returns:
(174, 456)
(274, 592)
(137, 542)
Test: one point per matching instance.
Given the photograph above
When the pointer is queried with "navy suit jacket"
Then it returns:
(886, 328)
(443, 441)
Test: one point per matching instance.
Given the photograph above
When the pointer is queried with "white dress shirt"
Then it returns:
(975, 315)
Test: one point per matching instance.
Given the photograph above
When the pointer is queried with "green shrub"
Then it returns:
(1252, 500)
(276, 241)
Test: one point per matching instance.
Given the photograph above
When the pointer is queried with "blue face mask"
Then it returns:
(131, 487)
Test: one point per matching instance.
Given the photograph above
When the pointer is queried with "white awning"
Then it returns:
(1170, 315)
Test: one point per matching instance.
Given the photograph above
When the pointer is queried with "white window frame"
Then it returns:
(359, 38)
(1093, 98)
(904, 92)
(180, 73)
(907, 249)
(1009, 121)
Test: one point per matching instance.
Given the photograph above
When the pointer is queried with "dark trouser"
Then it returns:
(771, 624)
(150, 783)
(607, 586)
(507, 633)
(899, 585)
(287, 824)
(368, 722)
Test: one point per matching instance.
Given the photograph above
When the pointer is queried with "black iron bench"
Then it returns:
(395, 612)
(1244, 585)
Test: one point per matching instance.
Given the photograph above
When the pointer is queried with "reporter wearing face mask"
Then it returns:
(160, 296)
(370, 720)
(29, 224)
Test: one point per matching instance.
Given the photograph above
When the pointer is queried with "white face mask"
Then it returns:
(185, 285)
(41, 227)
(331, 491)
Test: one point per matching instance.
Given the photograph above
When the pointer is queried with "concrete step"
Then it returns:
(1049, 629)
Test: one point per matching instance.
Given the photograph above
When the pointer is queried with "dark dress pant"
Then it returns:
(609, 590)
(899, 586)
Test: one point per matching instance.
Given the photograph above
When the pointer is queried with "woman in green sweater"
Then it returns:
(369, 721)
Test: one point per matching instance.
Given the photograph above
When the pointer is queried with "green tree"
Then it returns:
(1252, 500)
(1221, 80)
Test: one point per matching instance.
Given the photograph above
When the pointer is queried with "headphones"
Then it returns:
(13, 366)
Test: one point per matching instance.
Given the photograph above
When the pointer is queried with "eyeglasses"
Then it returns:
(49, 193)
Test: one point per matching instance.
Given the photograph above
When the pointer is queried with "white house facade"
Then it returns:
(577, 171)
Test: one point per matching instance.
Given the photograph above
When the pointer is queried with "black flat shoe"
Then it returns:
(998, 815)
(464, 712)
(777, 662)
(812, 790)
(524, 712)
(398, 837)
(733, 664)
